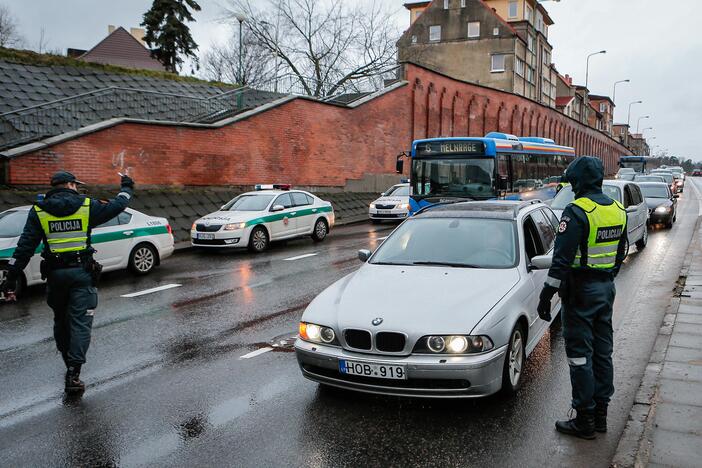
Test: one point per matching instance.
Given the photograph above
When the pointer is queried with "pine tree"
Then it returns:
(167, 34)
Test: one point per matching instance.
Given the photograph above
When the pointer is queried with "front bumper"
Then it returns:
(387, 214)
(427, 376)
(660, 218)
(222, 239)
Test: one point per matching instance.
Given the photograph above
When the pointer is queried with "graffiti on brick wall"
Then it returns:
(125, 164)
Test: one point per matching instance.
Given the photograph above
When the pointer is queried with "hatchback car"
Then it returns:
(662, 204)
(132, 240)
(668, 177)
(270, 213)
(625, 192)
(446, 307)
(393, 204)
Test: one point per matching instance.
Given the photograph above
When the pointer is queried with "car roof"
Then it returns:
(490, 209)
(273, 192)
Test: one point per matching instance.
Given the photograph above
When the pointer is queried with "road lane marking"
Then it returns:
(152, 290)
(301, 256)
(255, 353)
(699, 197)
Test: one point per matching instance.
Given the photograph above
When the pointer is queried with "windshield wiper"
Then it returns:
(389, 263)
(450, 264)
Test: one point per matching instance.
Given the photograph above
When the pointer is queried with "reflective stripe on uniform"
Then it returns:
(577, 361)
(553, 282)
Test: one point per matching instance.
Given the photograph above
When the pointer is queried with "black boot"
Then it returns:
(582, 426)
(73, 382)
(601, 417)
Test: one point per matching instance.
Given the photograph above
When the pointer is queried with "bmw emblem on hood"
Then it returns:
(377, 321)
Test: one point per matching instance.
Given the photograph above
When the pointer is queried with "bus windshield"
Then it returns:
(454, 177)
(636, 165)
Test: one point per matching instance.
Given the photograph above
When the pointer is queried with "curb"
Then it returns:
(634, 445)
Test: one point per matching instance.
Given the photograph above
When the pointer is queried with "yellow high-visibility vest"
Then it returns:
(66, 233)
(607, 223)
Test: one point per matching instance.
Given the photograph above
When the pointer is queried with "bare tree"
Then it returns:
(9, 36)
(221, 61)
(326, 45)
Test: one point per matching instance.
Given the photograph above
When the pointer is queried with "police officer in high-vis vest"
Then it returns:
(63, 221)
(590, 248)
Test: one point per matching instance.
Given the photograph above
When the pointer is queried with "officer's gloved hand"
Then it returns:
(544, 308)
(127, 182)
(8, 286)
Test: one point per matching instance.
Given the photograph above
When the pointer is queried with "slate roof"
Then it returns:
(182, 207)
(122, 49)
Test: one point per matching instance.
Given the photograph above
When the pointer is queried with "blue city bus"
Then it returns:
(637, 163)
(498, 166)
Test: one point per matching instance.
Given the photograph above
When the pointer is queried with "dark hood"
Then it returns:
(61, 202)
(585, 174)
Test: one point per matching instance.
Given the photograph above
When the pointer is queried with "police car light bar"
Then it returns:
(273, 186)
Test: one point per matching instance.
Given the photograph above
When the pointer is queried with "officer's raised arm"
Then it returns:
(103, 211)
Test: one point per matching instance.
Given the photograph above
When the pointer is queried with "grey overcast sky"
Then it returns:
(655, 46)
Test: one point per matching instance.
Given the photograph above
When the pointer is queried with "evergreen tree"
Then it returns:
(167, 34)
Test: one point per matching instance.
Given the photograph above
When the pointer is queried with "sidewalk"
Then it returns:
(665, 424)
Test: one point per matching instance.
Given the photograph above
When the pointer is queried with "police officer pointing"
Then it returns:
(589, 250)
(63, 221)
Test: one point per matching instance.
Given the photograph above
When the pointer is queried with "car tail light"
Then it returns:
(170, 229)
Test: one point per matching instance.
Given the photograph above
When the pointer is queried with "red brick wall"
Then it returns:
(304, 142)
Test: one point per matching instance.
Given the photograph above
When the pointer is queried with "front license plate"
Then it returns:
(384, 211)
(205, 236)
(365, 369)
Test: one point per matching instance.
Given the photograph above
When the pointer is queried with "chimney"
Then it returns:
(110, 29)
(569, 79)
(138, 34)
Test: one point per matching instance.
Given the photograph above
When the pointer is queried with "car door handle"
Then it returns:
(128, 233)
(314, 210)
(293, 213)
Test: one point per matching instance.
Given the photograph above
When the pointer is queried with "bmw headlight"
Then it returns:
(662, 209)
(317, 333)
(234, 226)
(453, 344)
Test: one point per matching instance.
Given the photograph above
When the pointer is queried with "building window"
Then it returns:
(446, 4)
(498, 63)
(530, 74)
(603, 107)
(435, 33)
(547, 57)
(463, 3)
(474, 29)
(529, 14)
(539, 21)
(519, 66)
(530, 43)
(414, 39)
(513, 9)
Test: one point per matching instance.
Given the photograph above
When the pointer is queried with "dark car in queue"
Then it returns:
(648, 178)
(662, 203)
(668, 177)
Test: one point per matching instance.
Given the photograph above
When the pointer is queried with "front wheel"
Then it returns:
(320, 230)
(641, 243)
(143, 259)
(258, 242)
(514, 362)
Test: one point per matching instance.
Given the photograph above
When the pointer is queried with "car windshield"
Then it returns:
(637, 166)
(627, 176)
(248, 203)
(463, 178)
(398, 191)
(566, 196)
(12, 223)
(463, 243)
(649, 179)
(667, 176)
(654, 191)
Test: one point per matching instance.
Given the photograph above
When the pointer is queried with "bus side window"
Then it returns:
(503, 173)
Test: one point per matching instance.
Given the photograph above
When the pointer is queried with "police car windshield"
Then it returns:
(465, 243)
(566, 196)
(398, 191)
(12, 223)
(249, 203)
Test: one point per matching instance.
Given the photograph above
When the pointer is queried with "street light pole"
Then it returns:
(638, 122)
(647, 128)
(587, 66)
(614, 91)
(241, 18)
(628, 120)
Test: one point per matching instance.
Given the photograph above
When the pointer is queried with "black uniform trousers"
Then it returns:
(589, 340)
(71, 295)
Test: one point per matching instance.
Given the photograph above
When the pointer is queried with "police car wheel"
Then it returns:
(641, 243)
(514, 361)
(143, 259)
(320, 230)
(19, 285)
(258, 242)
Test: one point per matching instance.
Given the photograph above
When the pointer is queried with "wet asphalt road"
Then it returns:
(169, 384)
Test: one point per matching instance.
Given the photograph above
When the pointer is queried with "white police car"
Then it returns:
(271, 212)
(131, 240)
(392, 204)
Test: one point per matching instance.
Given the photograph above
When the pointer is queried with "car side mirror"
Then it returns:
(399, 166)
(631, 209)
(382, 194)
(277, 208)
(542, 262)
(364, 255)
